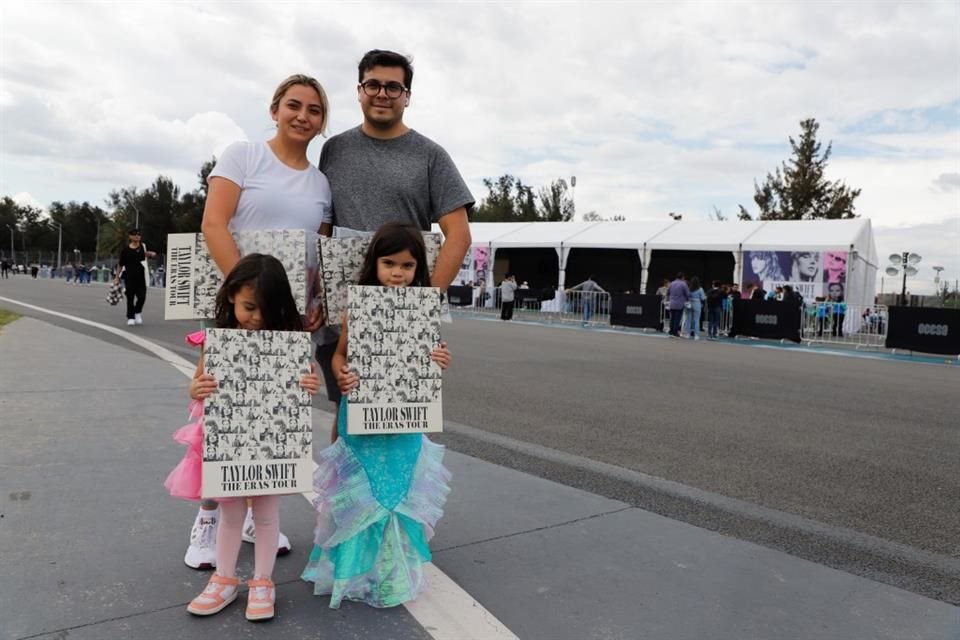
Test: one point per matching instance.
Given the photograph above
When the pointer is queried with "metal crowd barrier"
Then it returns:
(833, 323)
(584, 307)
(822, 322)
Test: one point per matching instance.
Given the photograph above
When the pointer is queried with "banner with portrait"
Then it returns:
(257, 429)
(391, 334)
(813, 274)
(341, 261)
(475, 266)
(193, 278)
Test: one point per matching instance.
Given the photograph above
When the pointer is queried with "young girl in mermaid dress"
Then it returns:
(378, 496)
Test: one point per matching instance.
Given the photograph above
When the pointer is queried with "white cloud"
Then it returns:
(938, 244)
(655, 107)
(24, 198)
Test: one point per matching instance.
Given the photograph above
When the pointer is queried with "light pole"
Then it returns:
(96, 250)
(59, 243)
(13, 254)
(903, 263)
(936, 282)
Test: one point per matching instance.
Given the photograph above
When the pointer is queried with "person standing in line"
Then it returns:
(260, 186)
(132, 268)
(678, 294)
(591, 291)
(694, 308)
(383, 171)
(664, 308)
(715, 300)
(508, 290)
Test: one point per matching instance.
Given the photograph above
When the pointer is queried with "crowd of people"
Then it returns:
(687, 305)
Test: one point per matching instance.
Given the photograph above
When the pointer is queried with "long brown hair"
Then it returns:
(391, 238)
(272, 291)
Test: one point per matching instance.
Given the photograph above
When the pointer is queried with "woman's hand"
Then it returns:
(202, 386)
(311, 382)
(441, 355)
(347, 379)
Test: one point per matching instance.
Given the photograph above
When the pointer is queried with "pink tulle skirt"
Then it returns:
(184, 480)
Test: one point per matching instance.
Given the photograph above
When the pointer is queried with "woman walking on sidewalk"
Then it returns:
(132, 267)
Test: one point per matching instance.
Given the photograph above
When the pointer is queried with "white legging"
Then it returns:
(266, 518)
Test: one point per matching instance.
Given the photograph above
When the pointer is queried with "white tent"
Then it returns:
(852, 237)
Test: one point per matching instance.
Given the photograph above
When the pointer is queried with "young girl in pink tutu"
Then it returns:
(255, 296)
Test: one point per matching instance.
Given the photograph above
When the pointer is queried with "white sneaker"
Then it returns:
(130, 322)
(202, 552)
(139, 318)
(250, 535)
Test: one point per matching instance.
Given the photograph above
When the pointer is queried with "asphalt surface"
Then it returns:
(855, 458)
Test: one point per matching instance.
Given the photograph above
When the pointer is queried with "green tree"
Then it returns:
(555, 205)
(799, 190)
(508, 200)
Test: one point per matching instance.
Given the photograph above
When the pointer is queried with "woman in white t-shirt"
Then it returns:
(264, 185)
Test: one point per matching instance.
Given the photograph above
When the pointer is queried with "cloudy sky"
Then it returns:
(655, 107)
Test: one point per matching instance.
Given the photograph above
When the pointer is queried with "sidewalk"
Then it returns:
(92, 546)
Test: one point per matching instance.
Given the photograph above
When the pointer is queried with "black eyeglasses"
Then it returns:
(392, 89)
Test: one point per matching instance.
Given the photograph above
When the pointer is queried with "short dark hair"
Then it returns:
(391, 238)
(134, 231)
(680, 275)
(383, 58)
(269, 280)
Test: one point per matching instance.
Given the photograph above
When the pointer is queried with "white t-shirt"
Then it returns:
(273, 195)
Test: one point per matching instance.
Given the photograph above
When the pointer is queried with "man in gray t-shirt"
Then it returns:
(383, 171)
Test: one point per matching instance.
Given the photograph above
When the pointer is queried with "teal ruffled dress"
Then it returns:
(379, 498)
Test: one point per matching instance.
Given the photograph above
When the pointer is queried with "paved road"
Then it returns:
(865, 447)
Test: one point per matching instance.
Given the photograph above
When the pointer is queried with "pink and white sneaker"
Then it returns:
(218, 593)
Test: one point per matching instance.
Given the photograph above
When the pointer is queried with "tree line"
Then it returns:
(796, 190)
(158, 210)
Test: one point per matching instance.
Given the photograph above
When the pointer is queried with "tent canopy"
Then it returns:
(690, 235)
(704, 235)
(822, 235)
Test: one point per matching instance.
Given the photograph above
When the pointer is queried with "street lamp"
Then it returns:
(13, 254)
(905, 263)
(59, 243)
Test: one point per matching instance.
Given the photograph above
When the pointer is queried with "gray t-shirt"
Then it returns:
(508, 289)
(407, 179)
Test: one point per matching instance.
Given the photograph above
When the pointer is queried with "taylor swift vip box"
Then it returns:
(257, 431)
(193, 278)
(341, 260)
(391, 332)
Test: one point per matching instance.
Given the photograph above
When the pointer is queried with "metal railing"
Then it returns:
(821, 322)
(841, 323)
(584, 307)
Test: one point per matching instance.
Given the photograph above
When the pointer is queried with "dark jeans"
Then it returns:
(135, 289)
(713, 314)
(838, 324)
(325, 359)
(506, 310)
(676, 316)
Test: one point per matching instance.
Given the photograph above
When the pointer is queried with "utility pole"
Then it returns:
(13, 253)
